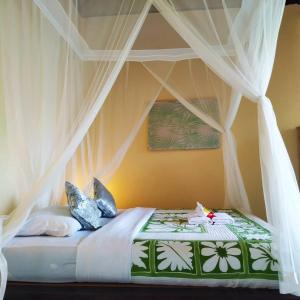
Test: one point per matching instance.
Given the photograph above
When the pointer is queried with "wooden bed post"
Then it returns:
(298, 137)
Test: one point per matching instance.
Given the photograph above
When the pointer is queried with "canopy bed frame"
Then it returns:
(69, 79)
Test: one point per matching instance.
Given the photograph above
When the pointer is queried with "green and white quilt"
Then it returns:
(163, 221)
(239, 251)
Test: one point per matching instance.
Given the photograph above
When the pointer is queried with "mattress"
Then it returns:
(167, 250)
(43, 258)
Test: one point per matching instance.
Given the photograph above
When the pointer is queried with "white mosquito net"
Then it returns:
(79, 77)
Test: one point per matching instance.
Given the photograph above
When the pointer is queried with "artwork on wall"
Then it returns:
(173, 127)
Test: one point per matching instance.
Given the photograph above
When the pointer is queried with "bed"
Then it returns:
(154, 259)
(166, 251)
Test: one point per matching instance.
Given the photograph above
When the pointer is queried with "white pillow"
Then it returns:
(54, 221)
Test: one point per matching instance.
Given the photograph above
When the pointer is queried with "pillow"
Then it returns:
(104, 221)
(54, 221)
(104, 199)
(84, 209)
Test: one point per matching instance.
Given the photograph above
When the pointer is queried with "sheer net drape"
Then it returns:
(116, 125)
(191, 80)
(246, 33)
(53, 93)
(51, 96)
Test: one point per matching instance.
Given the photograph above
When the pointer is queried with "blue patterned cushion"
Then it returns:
(104, 199)
(82, 208)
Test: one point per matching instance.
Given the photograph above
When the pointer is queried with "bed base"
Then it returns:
(102, 291)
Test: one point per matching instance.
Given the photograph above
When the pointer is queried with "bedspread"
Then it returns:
(144, 246)
(239, 251)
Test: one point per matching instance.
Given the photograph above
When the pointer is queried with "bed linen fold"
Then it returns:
(105, 255)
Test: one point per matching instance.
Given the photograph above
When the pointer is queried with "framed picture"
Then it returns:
(173, 127)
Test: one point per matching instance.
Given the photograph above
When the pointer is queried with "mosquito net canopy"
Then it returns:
(79, 77)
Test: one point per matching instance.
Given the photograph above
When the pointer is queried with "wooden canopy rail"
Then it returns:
(101, 291)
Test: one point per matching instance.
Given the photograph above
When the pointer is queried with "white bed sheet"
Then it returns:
(42, 258)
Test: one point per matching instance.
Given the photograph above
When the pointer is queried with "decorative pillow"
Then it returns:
(84, 209)
(104, 199)
(54, 221)
(104, 221)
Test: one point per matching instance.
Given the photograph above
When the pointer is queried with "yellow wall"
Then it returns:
(284, 88)
(168, 178)
(179, 178)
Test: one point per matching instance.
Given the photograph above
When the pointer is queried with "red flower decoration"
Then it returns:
(211, 215)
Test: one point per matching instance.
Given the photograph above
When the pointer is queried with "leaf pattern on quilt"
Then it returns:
(160, 227)
(249, 257)
(246, 229)
(138, 252)
(263, 257)
(171, 222)
(165, 216)
(175, 255)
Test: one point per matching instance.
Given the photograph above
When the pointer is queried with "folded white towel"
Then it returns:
(196, 220)
(222, 222)
(198, 217)
(224, 216)
(199, 210)
(222, 219)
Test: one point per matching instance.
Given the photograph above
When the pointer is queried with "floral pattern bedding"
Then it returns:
(249, 256)
(173, 221)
